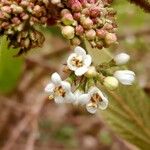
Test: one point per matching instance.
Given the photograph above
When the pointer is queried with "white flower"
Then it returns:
(121, 58)
(97, 100)
(81, 98)
(59, 90)
(126, 77)
(79, 61)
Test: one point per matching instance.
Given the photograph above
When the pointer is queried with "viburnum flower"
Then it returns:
(126, 77)
(81, 98)
(79, 61)
(121, 59)
(97, 100)
(59, 90)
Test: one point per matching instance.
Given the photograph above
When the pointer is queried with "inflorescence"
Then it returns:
(79, 20)
(83, 86)
(93, 20)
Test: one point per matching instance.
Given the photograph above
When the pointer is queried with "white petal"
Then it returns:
(56, 79)
(87, 60)
(104, 104)
(80, 71)
(70, 98)
(91, 109)
(80, 51)
(59, 100)
(49, 88)
(83, 99)
(66, 85)
(126, 77)
(69, 62)
(93, 90)
(121, 58)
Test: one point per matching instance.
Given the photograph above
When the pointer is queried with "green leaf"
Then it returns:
(10, 67)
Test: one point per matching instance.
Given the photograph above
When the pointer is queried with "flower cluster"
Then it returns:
(84, 82)
(18, 19)
(92, 20)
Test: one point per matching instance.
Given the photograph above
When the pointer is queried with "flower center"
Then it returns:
(96, 98)
(77, 61)
(59, 91)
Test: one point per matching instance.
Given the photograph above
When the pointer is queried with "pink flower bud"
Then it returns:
(108, 26)
(75, 5)
(79, 30)
(101, 33)
(83, 2)
(77, 16)
(67, 19)
(90, 34)
(94, 12)
(86, 22)
(6, 9)
(86, 11)
(110, 38)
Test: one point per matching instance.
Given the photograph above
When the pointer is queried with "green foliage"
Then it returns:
(129, 115)
(10, 67)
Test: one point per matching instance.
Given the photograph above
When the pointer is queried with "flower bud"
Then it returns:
(126, 77)
(75, 5)
(86, 22)
(90, 34)
(55, 2)
(94, 12)
(111, 83)
(77, 16)
(110, 38)
(75, 41)
(67, 19)
(91, 72)
(64, 11)
(79, 30)
(68, 32)
(101, 33)
(121, 59)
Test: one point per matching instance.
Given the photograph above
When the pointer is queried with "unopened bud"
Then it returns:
(79, 30)
(94, 12)
(111, 83)
(64, 11)
(90, 34)
(91, 72)
(75, 5)
(55, 2)
(86, 22)
(121, 59)
(110, 38)
(75, 41)
(68, 32)
(67, 19)
(101, 33)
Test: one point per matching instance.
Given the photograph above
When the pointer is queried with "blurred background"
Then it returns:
(29, 121)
